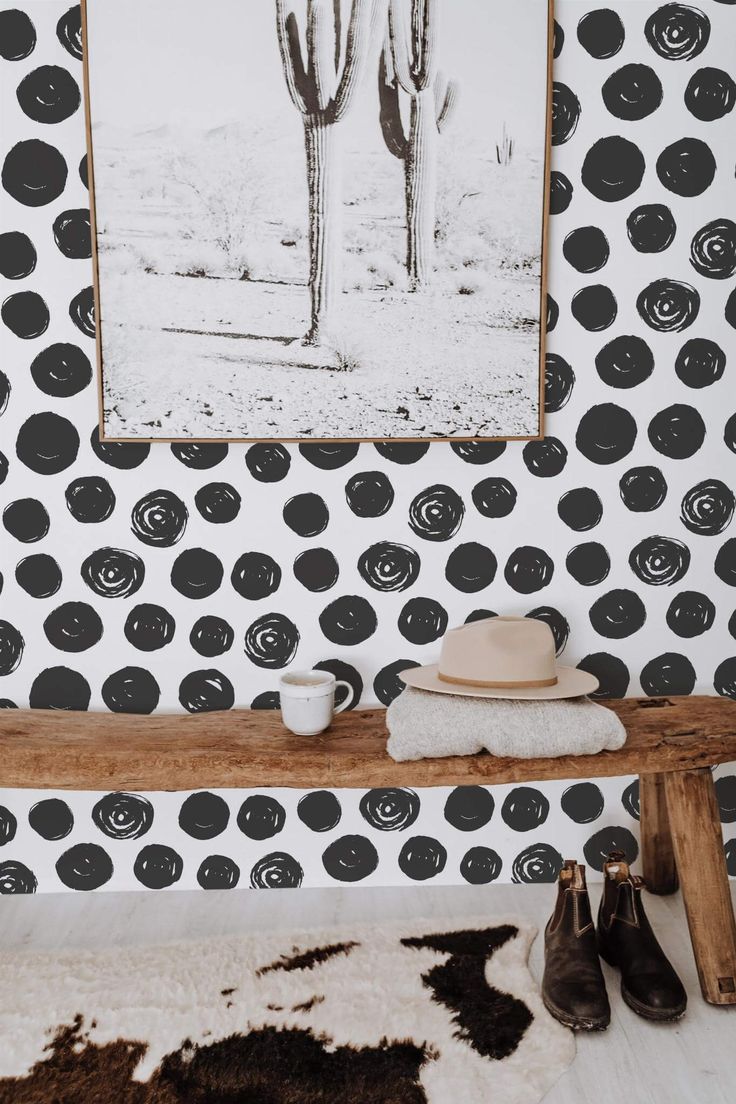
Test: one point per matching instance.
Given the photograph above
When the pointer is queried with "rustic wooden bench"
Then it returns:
(672, 745)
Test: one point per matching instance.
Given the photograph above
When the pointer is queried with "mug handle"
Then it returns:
(349, 698)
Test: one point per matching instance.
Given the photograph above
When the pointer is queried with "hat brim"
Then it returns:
(571, 683)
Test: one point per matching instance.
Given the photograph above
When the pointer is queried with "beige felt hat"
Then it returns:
(501, 657)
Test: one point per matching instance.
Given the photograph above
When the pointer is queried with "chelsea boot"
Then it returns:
(649, 984)
(573, 989)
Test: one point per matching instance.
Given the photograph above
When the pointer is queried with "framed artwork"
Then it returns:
(319, 219)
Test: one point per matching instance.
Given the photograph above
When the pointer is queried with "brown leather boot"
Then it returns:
(573, 988)
(649, 984)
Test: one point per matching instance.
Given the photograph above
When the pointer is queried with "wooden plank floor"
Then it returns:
(691, 1062)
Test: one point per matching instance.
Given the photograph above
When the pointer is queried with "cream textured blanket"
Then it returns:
(423, 725)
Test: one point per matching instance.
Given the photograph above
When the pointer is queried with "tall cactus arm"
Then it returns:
(322, 49)
(390, 110)
(366, 17)
(337, 17)
(424, 24)
(291, 57)
(444, 104)
(399, 35)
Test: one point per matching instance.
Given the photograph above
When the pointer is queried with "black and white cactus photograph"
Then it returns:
(319, 219)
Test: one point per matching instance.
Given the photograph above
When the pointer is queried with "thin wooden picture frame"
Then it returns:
(543, 284)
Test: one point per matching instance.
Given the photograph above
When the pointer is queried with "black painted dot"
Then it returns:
(47, 443)
(730, 311)
(625, 362)
(586, 248)
(17, 255)
(17, 34)
(725, 562)
(669, 673)
(4, 392)
(558, 39)
(369, 494)
(401, 452)
(113, 572)
(69, 31)
(480, 865)
(422, 620)
(545, 458)
(59, 688)
(27, 520)
(686, 167)
(11, 648)
(388, 566)
(611, 672)
(700, 363)
(594, 307)
(659, 561)
(387, 685)
(51, 818)
(211, 636)
(123, 816)
(255, 575)
(268, 463)
(83, 171)
(524, 809)
(61, 370)
(350, 858)
(632, 92)
(613, 168)
(580, 508)
(131, 690)
(677, 432)
(690, 614)
(319, 810)
(200, 455)
(329, 457)
(196, 573)
(82, 311)
(559, 380)
(642, 489)
(390, 810)
(48, 94)
(668, 305)
(73, 627)
(617, 614)
(149, 627)
(306, 514)
(469, 808)
(90, 499)
(606, 433)
(726, 796)
(713, 249)
(583, 802)
(601, 33)
(349, 682)
(565, 113)
(677, 32)
(422, 857)
(39, 576)
(3, 468)
(708, 508)
(724, 678)
(560, 193)
(557, 622)
(8, 825)
(204, 815)
(436, 513)
(729, 433)
(218, 503)
(34, 173)
(118, 454)
(25, 314)
(276, 871)
(540, 862)
(260, 817)
(478, 452)
(729, 851)
(528, 569)
(206, 691)
(651, 228)
(86, 866)
(608, 839)
(271, 641)
(15, 877)
(710, 94)
(316, 569)
(630, 799)
(348, 620)
(553, 313)
(589, 563)
(471, 567)
(158, 866)
(494, 497)
(218, 872)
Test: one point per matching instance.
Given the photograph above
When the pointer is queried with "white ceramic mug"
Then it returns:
(308, 701)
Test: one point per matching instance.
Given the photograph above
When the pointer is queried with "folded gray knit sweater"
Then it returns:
(423, 725)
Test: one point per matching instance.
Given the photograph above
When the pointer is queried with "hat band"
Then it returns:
(518, 684)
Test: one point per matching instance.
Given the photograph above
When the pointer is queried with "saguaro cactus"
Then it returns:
(323, 90)
(409, 62)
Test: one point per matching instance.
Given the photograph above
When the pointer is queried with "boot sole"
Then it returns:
(575, 1022)
(657, 1015)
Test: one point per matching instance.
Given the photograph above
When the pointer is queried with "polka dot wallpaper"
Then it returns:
(138, 578)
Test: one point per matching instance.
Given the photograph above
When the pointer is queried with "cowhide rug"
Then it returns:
(422, 1013)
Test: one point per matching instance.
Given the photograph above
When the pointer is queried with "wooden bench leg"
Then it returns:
(701, 864)
(657, 854)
